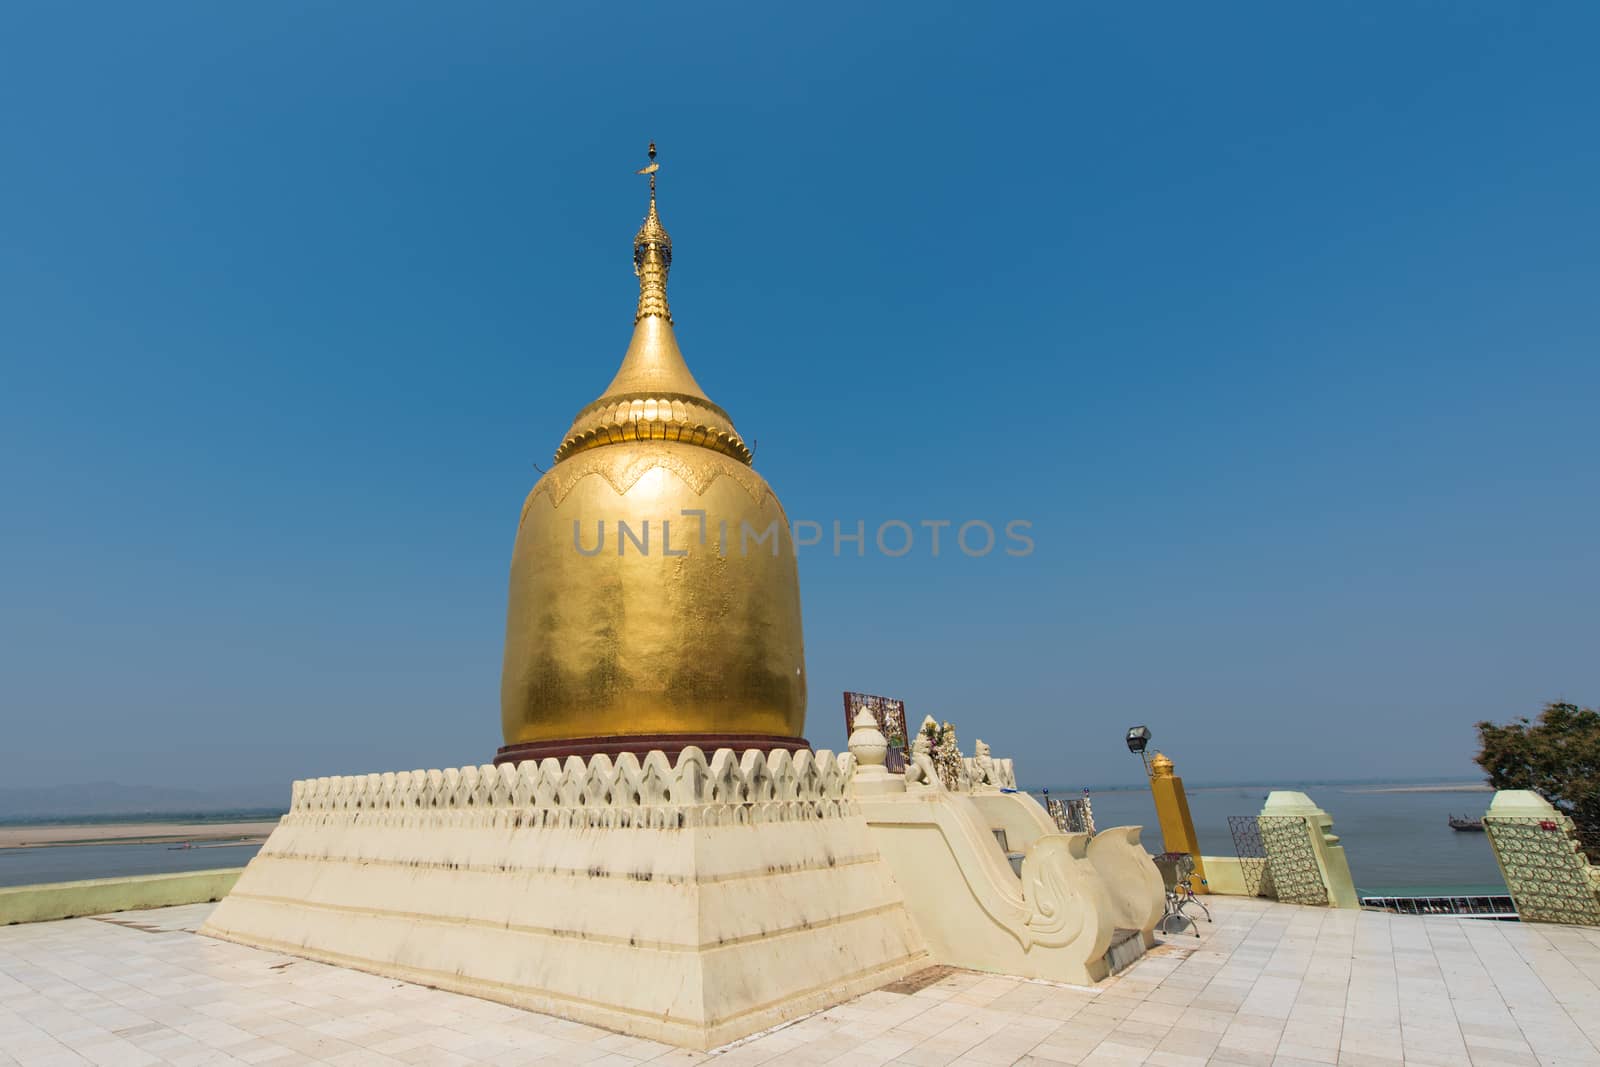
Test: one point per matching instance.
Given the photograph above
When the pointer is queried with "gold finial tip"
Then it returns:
(652, 254)
(651, 168)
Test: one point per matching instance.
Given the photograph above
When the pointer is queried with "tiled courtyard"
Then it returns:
(1268, 984)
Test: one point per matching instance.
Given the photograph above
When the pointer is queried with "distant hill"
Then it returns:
(99, 799)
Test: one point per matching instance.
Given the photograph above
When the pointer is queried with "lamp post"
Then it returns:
(1138, 738)
(1172, 805)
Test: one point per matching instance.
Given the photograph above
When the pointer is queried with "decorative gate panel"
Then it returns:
(1549, 877)
(1296, 875)
(1246, 831)
(1277, 858)
(1071, 816)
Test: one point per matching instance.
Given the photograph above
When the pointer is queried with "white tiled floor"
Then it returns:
(1268, 984)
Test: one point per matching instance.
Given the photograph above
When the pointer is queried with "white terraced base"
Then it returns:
(692, 903)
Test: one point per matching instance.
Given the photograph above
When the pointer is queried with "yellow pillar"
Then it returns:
(1172, 812)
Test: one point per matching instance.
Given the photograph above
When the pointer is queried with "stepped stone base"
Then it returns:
(693, 903)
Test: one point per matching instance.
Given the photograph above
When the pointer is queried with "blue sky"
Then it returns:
(1278, 322)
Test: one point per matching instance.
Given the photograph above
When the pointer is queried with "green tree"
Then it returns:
(1557, 756)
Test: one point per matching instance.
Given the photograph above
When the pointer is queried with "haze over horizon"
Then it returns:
(1278, 326)
(112, 800)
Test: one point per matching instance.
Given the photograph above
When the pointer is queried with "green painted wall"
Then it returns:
(63, 900)
(1225, 875)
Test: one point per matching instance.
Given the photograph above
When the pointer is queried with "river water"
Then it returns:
(1397, 843)
(70, 863)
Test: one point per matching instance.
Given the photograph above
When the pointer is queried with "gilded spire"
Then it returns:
(652, 254)
(653, 397)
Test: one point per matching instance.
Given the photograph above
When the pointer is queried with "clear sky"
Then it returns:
(1278, 322)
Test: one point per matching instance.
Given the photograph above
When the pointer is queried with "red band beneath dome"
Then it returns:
(641, 744)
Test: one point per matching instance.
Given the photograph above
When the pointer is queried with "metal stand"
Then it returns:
(1177, 872)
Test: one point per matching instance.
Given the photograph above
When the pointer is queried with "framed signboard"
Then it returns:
(891, 716)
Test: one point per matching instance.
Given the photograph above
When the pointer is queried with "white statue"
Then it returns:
(983, 765)
(920, 770)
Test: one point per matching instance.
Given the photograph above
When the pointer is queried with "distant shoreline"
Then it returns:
(1458, 787)
(1266, 787)
(197, 816)
(60, 835)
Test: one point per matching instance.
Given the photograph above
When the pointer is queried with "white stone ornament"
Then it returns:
(867, 743)
(870, 749)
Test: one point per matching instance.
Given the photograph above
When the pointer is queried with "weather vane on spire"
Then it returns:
(651, 170)
(652, 254)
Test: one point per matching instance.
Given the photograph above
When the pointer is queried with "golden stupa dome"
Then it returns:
(655, 601)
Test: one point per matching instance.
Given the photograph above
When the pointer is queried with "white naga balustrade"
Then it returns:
(1052, 908)
(656, 793)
